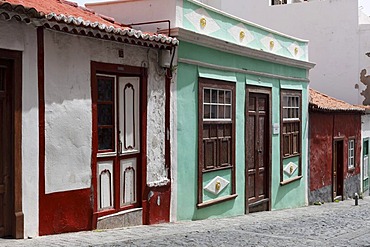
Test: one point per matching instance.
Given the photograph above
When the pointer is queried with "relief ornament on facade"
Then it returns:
(365, 79)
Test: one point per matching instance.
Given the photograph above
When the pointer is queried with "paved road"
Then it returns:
(331, 224)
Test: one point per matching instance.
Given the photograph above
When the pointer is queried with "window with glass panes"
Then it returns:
(216, 131)
(106, 111)
(217, 127)
(351, 153)
(291, 122)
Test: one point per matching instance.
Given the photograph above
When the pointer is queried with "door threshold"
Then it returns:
(131, 217)
(340, 198)
(258, 202)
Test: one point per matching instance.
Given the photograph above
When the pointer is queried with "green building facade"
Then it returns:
(240, 121)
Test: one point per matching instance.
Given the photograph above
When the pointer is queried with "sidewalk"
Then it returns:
(331, 224)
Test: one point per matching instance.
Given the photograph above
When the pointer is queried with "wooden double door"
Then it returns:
(6, 144)
(258, 150)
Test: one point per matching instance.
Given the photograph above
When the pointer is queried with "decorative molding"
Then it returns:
(290, 168)
(132, 145)
(105, 172)
(225, 46)
(129, 170)
(216, 185)
(242, 71)
(207, 7)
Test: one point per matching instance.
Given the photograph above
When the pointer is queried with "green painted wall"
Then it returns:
(287, 196)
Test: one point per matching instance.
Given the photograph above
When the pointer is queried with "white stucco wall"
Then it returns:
(20, 37)
(364, 60)
(68, 118)
(128, 12)
(331, 28)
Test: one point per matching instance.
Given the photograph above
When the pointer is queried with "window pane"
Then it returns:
(214, 96)
(227, 97)
(105, 114)
(105, 89)
(221, 96)
(207, 96)
(228, 112)
(221, 112)
(207, 111)
(105, 138)
(213, 111)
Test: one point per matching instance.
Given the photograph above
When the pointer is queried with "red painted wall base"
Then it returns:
(158, 206)
(65, 212)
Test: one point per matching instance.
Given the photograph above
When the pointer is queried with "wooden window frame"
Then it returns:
(292, 121)
(219, 85)
(113, 103)
(349, 157)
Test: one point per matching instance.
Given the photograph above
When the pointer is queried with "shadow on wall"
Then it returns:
(282, 193)
(365, 79)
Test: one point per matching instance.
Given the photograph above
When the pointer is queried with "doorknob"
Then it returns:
(259, 151)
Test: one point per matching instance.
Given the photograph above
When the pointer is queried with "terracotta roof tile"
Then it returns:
(322, 102)
(66, 12)
(63, 7)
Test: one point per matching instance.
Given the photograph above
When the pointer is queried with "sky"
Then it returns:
(365, 4)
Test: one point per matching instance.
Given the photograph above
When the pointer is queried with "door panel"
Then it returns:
(6, 161)
(257, 156)
(129, 114)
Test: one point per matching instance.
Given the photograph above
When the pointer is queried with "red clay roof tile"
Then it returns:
(323, 102)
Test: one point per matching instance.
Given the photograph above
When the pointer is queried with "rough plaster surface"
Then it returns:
(323, 194)
(68, 107)
(352, 186)
(24, 39)
(156, 122)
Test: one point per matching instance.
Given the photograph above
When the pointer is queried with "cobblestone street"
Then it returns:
(331, 224)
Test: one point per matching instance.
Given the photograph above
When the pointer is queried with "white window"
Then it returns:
(216, 104)
(291, 107)
(366, 167)
(351, 153)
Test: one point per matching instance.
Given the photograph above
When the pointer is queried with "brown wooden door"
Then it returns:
(6, 176)
(257, 155)
(338, 170)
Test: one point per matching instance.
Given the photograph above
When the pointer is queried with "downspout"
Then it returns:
(169, 76)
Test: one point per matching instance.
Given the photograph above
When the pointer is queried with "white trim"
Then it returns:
(120, 213)
(242, 71)
(244, 21)
(225, 46)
